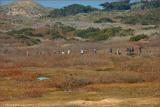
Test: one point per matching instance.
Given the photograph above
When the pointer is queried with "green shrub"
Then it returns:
(104, 34)
(104, 20)
(87, 32)
(34, 41)
(60, 31)
(67, 29)
(29, 41)
(25, 35)
(126, 32)
(56, 35)
(152, 17)
(24, 31)
(138, 37)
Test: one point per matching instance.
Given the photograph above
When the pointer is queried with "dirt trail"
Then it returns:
(109, 102)
(101, 103)
(115, 102)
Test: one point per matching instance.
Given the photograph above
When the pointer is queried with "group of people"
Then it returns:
(130, 51)
(82, 51)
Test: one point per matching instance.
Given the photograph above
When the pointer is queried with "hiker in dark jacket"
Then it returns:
(110, 50)
(140, 50)
(95, 50)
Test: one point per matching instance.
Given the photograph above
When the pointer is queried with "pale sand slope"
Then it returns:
(109, 102)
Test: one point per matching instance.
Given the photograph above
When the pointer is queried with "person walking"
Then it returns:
(110, 50)
(69, 51)
(95, 50)
(27, 53)
(81, 51)
(118, 52)
(140, 50)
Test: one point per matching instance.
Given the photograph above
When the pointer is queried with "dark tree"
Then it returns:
(121, 5)
(72, 10)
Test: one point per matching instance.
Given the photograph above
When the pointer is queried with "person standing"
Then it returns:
(27, 53)
(140, 50)
(62, 52)
(95, 50)
(118, 52)
(81, 51)
(110, 50)
(69, 51)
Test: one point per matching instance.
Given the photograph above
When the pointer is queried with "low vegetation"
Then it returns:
(25, 35)
(97, 34)
(56, 35)
(93, 34)
(117, 70)
(60, 31)
(131, 79)
(104, 20)
(139, 37)
(25, 31)
(150, 18)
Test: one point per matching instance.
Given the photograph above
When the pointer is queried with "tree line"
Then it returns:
(107, 6)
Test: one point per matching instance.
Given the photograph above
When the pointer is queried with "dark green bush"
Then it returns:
(25, 35)
(67, 29)
(138, 37)
(104, 20)
(104, 34)
(56, 35)
(127, 5)
(71, 10)
(122, 5)
(87, 32)
(60, 31)
(24, 31)
(127, 32)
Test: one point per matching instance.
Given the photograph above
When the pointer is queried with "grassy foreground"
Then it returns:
(87, 80)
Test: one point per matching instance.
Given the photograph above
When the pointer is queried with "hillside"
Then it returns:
(27, 8)
(150, 17)
(76, 21)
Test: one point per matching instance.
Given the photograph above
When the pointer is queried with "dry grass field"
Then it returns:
(75, 80)
(37, 71)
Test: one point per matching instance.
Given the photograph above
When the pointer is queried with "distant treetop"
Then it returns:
(72, 10)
